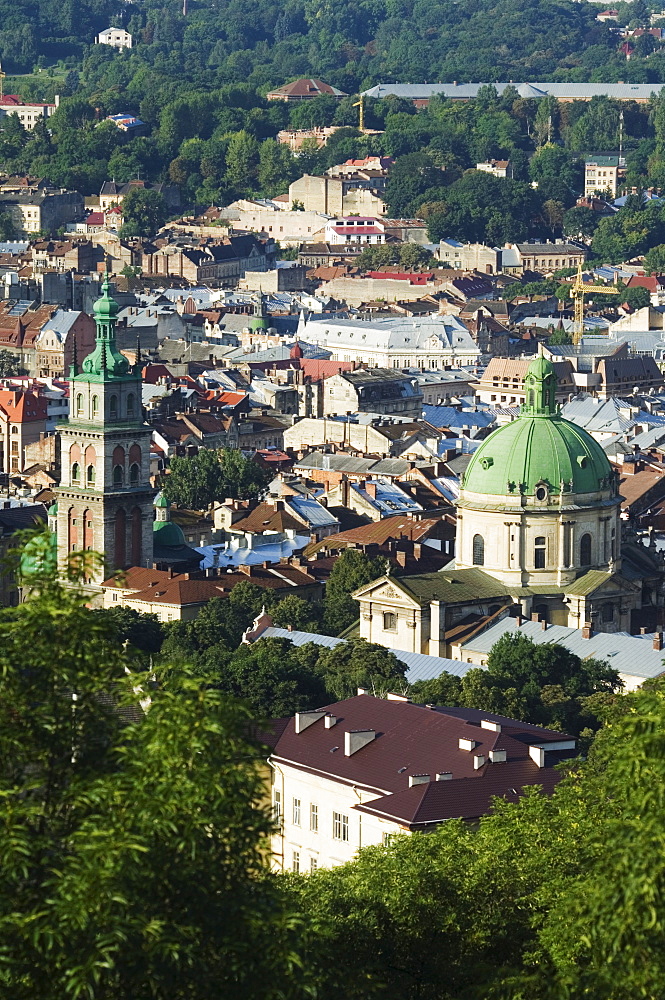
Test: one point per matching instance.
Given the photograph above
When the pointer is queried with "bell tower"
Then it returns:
(105, 497)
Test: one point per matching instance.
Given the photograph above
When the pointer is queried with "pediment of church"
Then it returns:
(385, 589)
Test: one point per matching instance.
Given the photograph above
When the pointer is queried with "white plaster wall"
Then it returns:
(330, 796)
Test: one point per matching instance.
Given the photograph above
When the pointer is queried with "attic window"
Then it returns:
(581, 461)
(487, 462)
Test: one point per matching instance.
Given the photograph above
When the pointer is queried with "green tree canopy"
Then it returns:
(143, 212)
(351, 570)
(211, 476)
(131, 857)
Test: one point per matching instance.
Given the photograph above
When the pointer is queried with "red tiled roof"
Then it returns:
(415, 740)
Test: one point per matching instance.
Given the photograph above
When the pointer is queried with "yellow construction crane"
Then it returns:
(359, 104)
(578, 290)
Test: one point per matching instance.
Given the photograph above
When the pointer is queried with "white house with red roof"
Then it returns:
(354, 230)
(355, 773)
(27, 113)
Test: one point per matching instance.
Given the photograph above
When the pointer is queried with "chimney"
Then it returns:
(465, 744)
(391, 696)
(370, 489)
(329, 721)
(537, 755)
(400, 557)
(478, 760)
(356, 739)
(362, 691)
(418, 779)
(535, 617)
(543, 625)
(444, 776)
(587, 630)
(498, 756)
(306, 719)
(494, 726)
(658, 641)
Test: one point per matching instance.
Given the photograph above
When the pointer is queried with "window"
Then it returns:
(117, 475)
(313, 864)
(387, 839)
(90, 475)
(296, 812)
(79, 404)
(113, 406)
(539, 552)
(389, 621)
(340, 826)
(585, 550)
(14, 429)
(130, 405)
(277, 805)
(95, 406)
(314, 818)
(295, 862)
(478, 550)
(134, 474)
(76, 473)
(608, 613)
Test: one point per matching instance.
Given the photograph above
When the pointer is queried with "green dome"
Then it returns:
(167, 534)
(160, 500)
(53, 509)
(539, 448)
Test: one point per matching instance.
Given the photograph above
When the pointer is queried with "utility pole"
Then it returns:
(2, 83)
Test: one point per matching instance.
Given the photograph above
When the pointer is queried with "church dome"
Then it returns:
(539, 451)
(166, 534)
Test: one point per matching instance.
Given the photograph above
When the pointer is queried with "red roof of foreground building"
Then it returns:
(317, 368)
(486, 755)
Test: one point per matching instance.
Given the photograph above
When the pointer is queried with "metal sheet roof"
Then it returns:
(630, 655)
(420, 667)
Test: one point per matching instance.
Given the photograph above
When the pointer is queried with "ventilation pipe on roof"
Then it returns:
(306, 719)
(356, 739)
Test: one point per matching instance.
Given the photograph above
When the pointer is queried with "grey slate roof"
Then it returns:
(420, 667)
(631, 655)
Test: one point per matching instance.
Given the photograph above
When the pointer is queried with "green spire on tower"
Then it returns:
(106, 361)
(540, 389)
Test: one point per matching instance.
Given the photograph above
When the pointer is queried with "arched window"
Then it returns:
(585, 550)
(134, 474)
(539, 549)
(95, 406)
(90, 475)
(76, 473)
(79, 404)
(478, 550)
(613, 544)
(389, 621)
(130, 405)
(113, 406)
(14, 429)
(117, 475)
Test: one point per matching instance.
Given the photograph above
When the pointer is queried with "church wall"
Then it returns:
(510, 549)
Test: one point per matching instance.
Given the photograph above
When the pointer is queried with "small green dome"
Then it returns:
(160, 500)
(539, 449)
(167, 534)
(53, 509)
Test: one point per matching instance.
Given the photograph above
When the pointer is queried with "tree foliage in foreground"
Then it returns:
(131, 862)
(549, 898)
